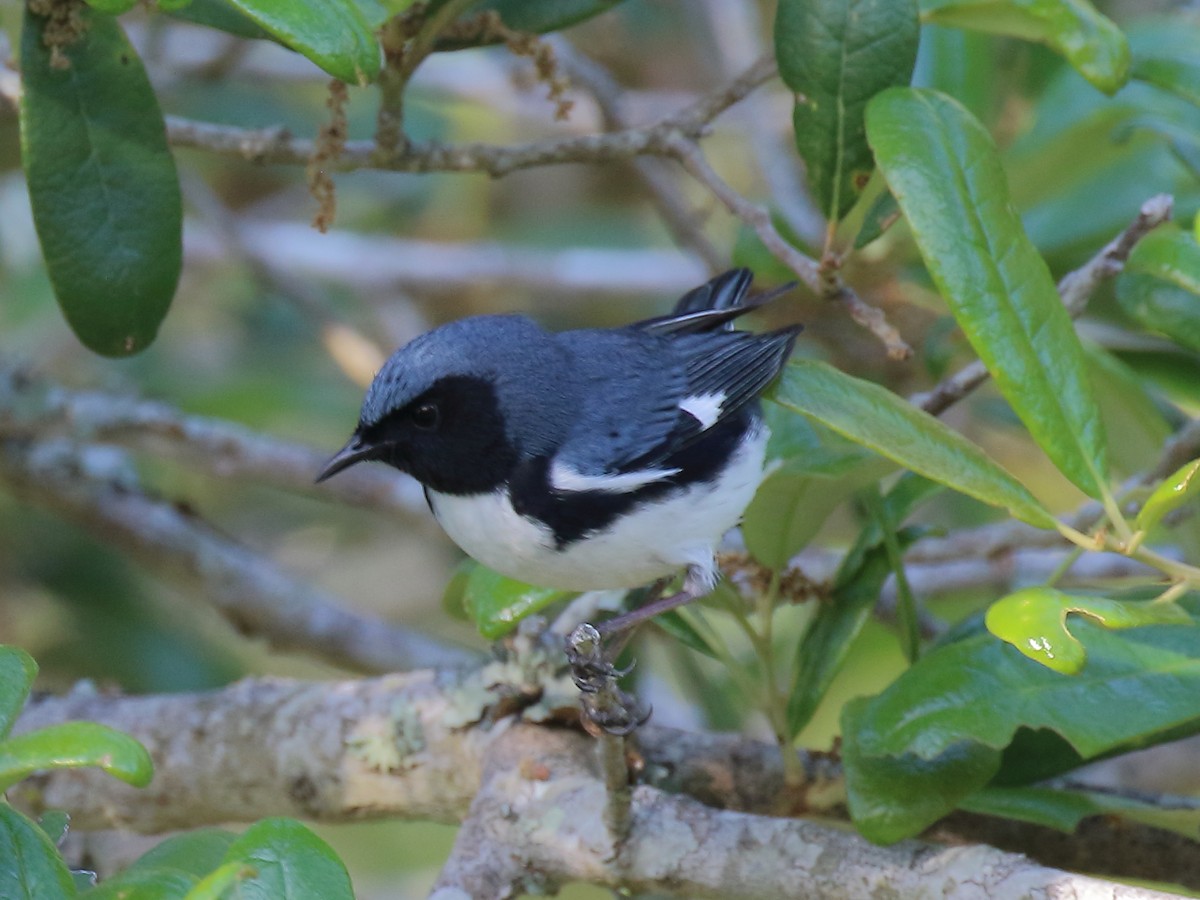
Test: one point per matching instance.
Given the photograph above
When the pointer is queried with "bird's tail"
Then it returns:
(715, 304)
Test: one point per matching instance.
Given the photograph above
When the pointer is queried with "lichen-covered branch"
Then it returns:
(445, 746)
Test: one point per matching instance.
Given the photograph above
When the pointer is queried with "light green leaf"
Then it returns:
(1170, 254)
(221, 15)
(1093, 45)
(835, 55)
(197, 852)
(1064, 810)
(102, 183)
(497, 603)
(72, 745)
(30, 866)
(1034, 620)
(942, 167)
(289, 862)
(17, 671)
(112, 7)
(144, 884)
(334, 34)
(876, 418)
(1172, 493)
(219, 882)
(1162, 307)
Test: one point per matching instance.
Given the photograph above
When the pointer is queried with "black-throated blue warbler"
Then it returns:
(589, 459)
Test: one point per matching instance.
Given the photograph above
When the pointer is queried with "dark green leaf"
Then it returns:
(838, 621)
(935, 736)
(334, 34)
(835, 55)
(880, 217)
(1091, 43)
(112, 7)
(223, 16)
(17, 671)
(497, 603)
(30, 867)
(56, 824)
(72, 745)
(876, 418)
(289, 863)
(1034, 620)
(942, 166)
(1162, 307)
(102, 183)
(196, 852)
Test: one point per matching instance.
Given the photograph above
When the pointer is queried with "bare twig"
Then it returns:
(276, 145)
(254, 595)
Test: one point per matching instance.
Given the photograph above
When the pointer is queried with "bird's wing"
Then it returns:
(652, 395)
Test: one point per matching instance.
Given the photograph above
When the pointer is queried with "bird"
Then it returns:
(588, 459)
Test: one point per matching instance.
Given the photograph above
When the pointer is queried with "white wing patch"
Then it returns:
(565, 478)
(704, 408)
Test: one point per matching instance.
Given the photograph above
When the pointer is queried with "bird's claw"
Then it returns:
(605, 706)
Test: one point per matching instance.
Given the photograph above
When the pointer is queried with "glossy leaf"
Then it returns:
(1170, 254)
(876, 418)
(334, 34)
(942, 166)
(937, 734)
(102, 184)
(1172, 493)
(835, 55)
(223, 16)
(112, 7)
(1093, 45)
(17, 671)
(30, 866)
(289, 863)
(1161, 306)
(72, 745)
(1034, 620)
(497, 603)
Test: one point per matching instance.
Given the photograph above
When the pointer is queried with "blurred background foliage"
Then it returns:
(266, 329)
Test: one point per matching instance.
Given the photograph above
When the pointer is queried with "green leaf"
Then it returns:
(942, 166)
(1064, 810)
(56, 824)
(334, 34)
(1161, 306)
(30, 867)
(196, 852)
(1093, 45)
(838, 621)
(17, 671)
(289, 863)
(935, 736)
(1132, 418)
(1172, 493)
(880, 217)
(682, 630)
(1170, 254)
(835, 55)
(1034, 620)
(1179, 74)
(102, 183)
(217, 884)
(221, 15)
(876, 418)
(497, 603)
(72, 745)
(112, 7)
(144, 884)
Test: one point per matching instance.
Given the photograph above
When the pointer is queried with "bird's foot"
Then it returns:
(606, 707)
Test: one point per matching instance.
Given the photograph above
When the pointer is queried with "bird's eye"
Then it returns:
(426, 417)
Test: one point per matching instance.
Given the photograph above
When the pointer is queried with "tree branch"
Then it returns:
(79, 485)
(404, 745)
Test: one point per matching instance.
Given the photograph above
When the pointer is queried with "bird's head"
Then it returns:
(455, 407)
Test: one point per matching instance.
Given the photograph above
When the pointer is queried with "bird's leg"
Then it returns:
(592, 651)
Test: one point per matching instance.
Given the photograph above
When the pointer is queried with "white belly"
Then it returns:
(674, 532)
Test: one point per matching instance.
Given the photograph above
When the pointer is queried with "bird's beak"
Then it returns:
(354, 451)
